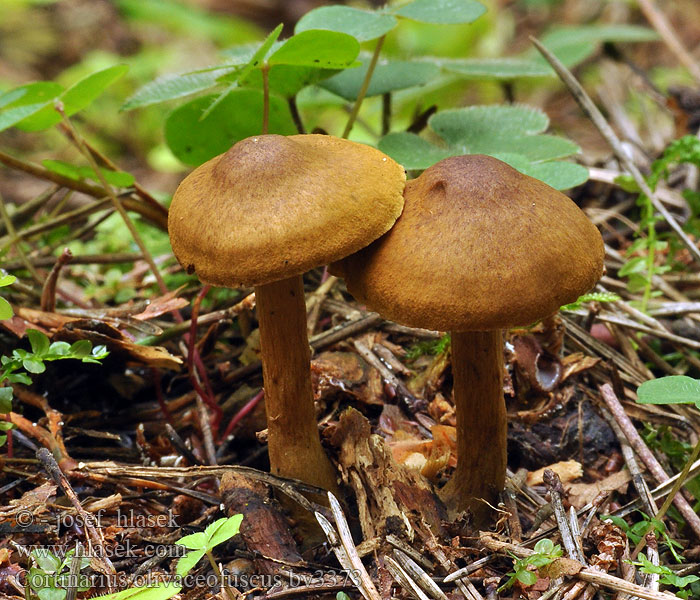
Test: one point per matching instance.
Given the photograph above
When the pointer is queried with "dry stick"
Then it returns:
(659, 491)
(404, 579)
(92, 534)
(638, 480)
(682, 478)
(555, 488)
(606, 131)
(9, 225)
(96, 191)
(68, 217)
(27, 210)
(647, 457)
(365, 86)
(588, 574)
(86, 259)
(367, 586)
(659, 22)
(417, 574)
(141, 191)
(48, 294)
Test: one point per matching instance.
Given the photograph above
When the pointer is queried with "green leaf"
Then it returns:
(187, 562)
(443, 12)
(38, 341)
(536, 148)
(194, 140)
(317, 48)
(59, 348)
(257, 58)
(100, 351)
(255, 61)
(560, 175)
(75, 98)
(5, 400)
(163, 591)
(33, 366)
(194, 541)
(412, 151)
(544, 546)
(498, 68)
(526, 577)
(6, 311)
(46, 560)
(591, 297)
(171, 87)
(20, 103)
(80, 349)
(287, 80)
(225, 529)
(637, 264)
(6, 280)
(388, 76)
(117, 178)
(363, 25)
(579, 34)
(674, 389)
(468, 127)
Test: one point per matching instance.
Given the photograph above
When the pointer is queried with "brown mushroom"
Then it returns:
(263, 213)
(478, 248)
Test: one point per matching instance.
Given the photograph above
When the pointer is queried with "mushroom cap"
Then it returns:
(273, 207)
(479, 246)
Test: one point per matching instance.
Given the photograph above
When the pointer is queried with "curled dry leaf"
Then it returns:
(345, 373)
(568, 470)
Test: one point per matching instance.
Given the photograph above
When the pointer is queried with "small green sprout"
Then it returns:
(5, 308)
(51, 576)
(202, 543)
(591, 297)
(162, 591)
(667, 576)
(15, 368)
(545, 553)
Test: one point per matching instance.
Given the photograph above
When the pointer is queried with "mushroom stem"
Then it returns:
(293, 441)
(477, 371)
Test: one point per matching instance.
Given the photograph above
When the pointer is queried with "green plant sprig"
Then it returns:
(17, 367)
(545, 553)
(640, 270)
(203, 542)
(667, 576)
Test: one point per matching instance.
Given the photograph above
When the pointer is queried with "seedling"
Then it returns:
(638, 530)
(17, 367)
(667, 576)
(545, 553)
(641, 269)
(162, 591)
(204, 542)
(52, 575)
(676, 389)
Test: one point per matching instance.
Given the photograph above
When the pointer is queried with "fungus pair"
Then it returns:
(478, 248)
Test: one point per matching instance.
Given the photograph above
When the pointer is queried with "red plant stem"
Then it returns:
(194, 360)
(244, 412)
(160, 398)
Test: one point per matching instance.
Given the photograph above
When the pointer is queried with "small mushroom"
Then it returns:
(263, 213)
(478, 248)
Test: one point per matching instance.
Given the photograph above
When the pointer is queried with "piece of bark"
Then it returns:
(386, 492)
(264, 530)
